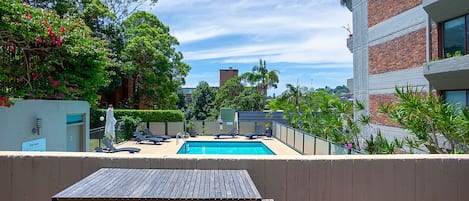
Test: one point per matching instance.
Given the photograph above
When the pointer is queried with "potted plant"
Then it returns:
(190, 128)
(347, 28)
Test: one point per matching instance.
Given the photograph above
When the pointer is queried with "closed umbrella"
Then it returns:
(109, 128)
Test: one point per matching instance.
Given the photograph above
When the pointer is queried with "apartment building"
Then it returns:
(226, 74)
(421, 43)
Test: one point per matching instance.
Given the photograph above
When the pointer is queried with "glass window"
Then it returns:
(456, 97)
(467, 34)
(75, 118)
(454, 37)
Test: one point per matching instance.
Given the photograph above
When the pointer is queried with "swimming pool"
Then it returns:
(232, 148)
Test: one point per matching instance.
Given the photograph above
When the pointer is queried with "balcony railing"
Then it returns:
(448, 74)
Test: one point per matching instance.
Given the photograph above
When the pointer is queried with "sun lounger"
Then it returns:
(111, 149)
(258, 134)
(150, 134)
(140, 138)
(231, 133)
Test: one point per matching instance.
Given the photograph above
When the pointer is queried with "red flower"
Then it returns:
(55, 83)
(38, 40)
(35, 77)
(29, 16)
(12, 48)
(4, 102)
(62, 29)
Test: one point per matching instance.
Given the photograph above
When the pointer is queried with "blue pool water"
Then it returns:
(235, 148)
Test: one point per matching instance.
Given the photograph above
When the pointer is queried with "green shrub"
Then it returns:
(128, 126)
(144, 115)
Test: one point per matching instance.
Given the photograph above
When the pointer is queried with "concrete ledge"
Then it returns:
(38, 176)
(448, 74)
(441, 10)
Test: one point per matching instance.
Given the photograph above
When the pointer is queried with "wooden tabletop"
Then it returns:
(162, 184)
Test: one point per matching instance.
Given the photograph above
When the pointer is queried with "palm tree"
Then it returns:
(263, 77)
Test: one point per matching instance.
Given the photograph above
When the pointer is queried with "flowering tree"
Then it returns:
(46, 56)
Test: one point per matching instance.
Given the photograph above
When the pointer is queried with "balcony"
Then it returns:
(350, 44)
(442, 10)
(448, 74)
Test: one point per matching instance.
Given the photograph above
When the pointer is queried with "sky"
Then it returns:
(304, 40)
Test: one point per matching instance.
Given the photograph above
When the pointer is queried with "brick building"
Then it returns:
(408, 42)
(226, 74)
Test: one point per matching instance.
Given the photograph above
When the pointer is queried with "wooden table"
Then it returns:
(162, 184)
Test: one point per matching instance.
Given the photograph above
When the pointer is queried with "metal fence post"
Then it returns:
(294, 138)
(286, 136)
(303, 143)
(315, 147)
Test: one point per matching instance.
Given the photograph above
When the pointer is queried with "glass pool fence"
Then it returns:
(307, 144)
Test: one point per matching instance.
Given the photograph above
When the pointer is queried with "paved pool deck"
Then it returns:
(173, 145)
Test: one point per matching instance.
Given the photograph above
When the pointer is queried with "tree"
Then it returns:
(203, 99)
(233, 94)
(124, 8)
(320, 113)
(262, 78)
(228, 92)
(249, 100)
(49, 57)
(151, 61)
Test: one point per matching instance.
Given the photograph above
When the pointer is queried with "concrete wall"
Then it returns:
(16, 123)
(38, 176)
(360, 55)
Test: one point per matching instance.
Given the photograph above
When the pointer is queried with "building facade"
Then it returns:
(226, 74)
(418, 43)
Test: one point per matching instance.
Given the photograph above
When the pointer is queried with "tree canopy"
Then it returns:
(203, 101)
(49, 57)
(151, 60)
(64, 49)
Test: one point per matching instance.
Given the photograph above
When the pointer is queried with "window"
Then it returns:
(455, 36)
(457, 97)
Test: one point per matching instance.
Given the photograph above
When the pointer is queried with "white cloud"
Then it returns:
(193, 79)
(303, 32)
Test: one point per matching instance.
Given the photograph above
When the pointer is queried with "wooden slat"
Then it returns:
(163, 184)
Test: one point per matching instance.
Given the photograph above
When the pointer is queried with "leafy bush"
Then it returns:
(380, 145)
(427, 117)
(128, 125)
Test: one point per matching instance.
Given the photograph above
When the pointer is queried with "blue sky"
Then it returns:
(302, 39)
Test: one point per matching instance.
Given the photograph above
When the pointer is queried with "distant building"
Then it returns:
(188, 94)
(226, 74)
(350, 85)
(188, 91)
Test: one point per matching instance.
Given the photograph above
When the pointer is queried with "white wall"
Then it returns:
(16, 123)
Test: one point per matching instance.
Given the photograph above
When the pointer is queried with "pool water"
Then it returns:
(232, 148)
